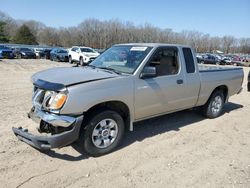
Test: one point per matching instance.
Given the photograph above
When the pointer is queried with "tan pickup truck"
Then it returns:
(94, 104)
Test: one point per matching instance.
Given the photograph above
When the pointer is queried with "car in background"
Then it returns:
(45, 53)
(6, 52)
(37, 51)
(25, 53)
(248, 84)
(236, 58)
(82, 55)
(59, 54)
(226, 60)
(246, 58)
(208, 59)
(100, 51)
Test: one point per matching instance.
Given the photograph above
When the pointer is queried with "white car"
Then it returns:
(37, 51)
(82, 54)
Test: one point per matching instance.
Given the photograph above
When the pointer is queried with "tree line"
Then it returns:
(103, 34)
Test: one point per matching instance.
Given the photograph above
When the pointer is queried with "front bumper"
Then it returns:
(53, 141)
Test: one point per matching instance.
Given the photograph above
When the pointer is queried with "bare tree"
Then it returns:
(227, 43)
(103, 34)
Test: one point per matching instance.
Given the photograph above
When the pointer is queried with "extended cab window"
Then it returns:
(165, 61)
(189, 60)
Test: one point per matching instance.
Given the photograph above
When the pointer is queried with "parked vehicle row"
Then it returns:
(84, 55)
(217, 59)
(77, 54)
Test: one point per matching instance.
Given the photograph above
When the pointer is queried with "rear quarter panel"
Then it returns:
(210, 79)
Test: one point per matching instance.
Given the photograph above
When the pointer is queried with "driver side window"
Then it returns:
(165, 60)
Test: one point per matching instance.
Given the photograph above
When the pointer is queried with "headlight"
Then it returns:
(53, 100)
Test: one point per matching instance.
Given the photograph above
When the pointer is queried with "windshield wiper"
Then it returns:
(110, 69)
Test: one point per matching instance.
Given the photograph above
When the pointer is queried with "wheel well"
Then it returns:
(222, 88)
(116, 106)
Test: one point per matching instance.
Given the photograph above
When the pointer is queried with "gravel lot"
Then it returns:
(177, 150)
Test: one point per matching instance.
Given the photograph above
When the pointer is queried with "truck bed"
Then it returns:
(213, 68)
(213, 76)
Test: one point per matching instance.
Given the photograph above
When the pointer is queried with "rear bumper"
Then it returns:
(56, 140)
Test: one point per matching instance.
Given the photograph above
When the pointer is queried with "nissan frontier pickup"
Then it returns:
(94, 104)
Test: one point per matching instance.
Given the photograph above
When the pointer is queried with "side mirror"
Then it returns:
(148, 72)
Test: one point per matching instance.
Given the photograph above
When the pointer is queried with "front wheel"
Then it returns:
(81, 61)
(213, 108)
(103, 133)
(70, 60)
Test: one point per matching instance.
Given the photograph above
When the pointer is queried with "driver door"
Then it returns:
(162, 93)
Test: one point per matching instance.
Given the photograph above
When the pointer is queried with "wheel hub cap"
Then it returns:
(104, 133)
(217, 105)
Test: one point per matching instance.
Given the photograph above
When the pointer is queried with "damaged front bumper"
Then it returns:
(72, 127)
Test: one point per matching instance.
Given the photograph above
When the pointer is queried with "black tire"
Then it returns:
(19, 56)
(70, 60)
(89, 141)
(58, 59)
(81, 62)
(214, 106)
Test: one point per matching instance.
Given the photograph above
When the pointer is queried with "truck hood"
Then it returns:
(59, 78)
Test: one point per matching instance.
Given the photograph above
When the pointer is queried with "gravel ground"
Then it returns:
(177, 150)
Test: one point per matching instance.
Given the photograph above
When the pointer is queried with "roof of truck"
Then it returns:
(152, 44)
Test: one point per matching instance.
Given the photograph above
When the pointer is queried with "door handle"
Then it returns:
(179, 81)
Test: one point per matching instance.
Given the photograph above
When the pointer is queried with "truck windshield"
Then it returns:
(124, 59)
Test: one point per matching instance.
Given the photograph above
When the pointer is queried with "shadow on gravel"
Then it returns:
(231, 107)
(149, 128)
(82, 155)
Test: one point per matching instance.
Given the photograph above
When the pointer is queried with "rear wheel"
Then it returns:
(103, 133)
(213, 108)
(19, 56)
